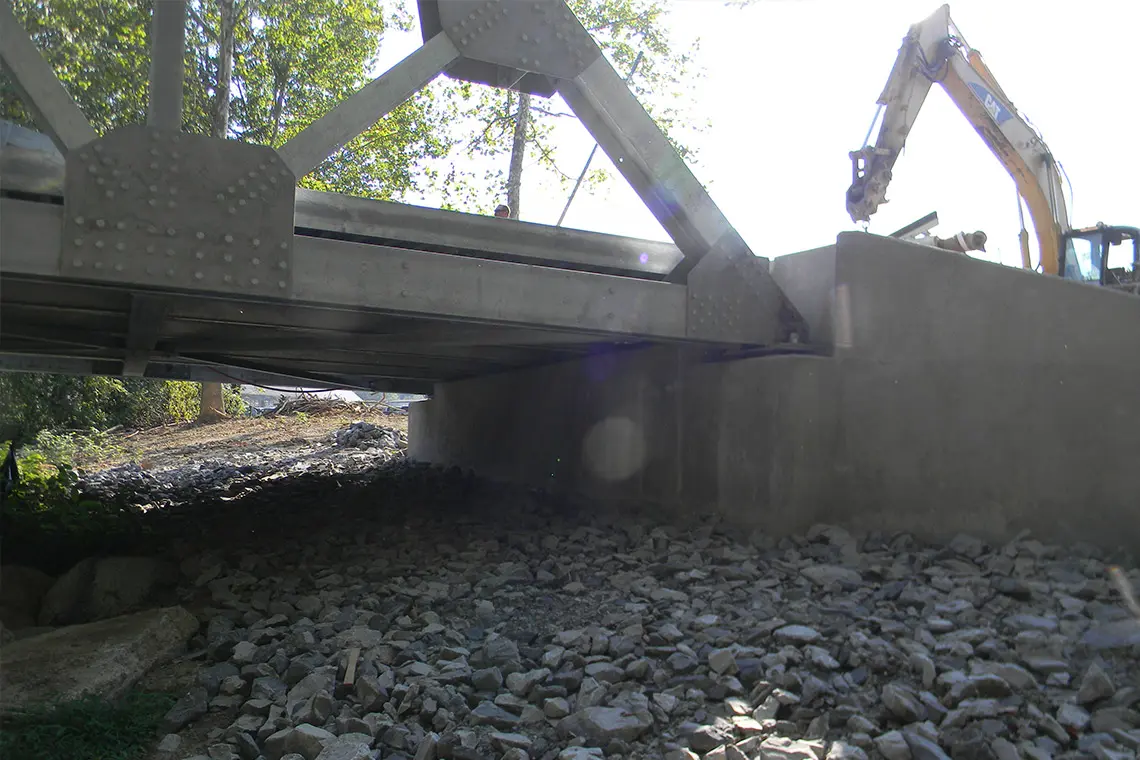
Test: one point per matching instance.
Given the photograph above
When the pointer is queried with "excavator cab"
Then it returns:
(1103, 255)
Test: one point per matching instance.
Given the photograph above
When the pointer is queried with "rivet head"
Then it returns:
(232, 210)
(525, 38)
(98, 148)
(241, 201)
(150, 249)
(242, 181)
(282, 265)
(227, 278)
(169, 272)
(120, 246)
(170, 231)
(151, 229)
(98, 264)
(169, 251)
(256, 242)
(171, 204)
(119, 267)
(220, 196)
(100, 181)
(228, 257)
(251, 174)
(126, 185)
(152, 202)
(99, 243)
(253, 281)
(281, 283)
(261, 166)
(92, 170)
(116, 173)
(199, 254)
(284, 172)
(153, 164)
(121, 225)
(100, 223)
(153, 188)
(175, 155)
(200, 235)
(255, 261)
(231, 189)
(79, 220)
(78, 242)
(110, 193)
(284, 246)
(77, 263)
(198, 275)
(229, 238)
(154, 151)
(253, 194)
(174, 191)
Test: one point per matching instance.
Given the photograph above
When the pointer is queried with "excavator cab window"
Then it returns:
(1103, 255)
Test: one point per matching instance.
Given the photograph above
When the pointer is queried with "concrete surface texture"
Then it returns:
(954, 395)
(105, 658)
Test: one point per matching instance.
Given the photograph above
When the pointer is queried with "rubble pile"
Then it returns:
(575, 637)
(356, 449)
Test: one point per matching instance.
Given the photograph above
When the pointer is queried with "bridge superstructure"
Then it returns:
(152, 252)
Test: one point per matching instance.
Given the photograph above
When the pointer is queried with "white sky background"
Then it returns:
(790, 89)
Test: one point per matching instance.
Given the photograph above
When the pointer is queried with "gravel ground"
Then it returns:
(495, 623)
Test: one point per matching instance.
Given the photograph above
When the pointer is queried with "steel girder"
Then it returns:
(160, 218)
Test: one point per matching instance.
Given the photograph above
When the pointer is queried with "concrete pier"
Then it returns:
(950, 395)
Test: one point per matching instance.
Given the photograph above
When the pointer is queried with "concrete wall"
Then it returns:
(954, 395)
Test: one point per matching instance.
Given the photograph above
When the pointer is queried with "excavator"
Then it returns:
(935, 51)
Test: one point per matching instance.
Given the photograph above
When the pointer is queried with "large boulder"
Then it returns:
(105, 658)
(96, 589)
(22, 590)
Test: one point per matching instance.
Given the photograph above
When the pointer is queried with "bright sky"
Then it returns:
(791, 88)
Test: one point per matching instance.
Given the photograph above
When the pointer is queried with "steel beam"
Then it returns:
(643, 155)
(489, 237)
(39, 87)
(167, 51)
(413, 283)
(143, 331)
(306, 150)
(195, 372)
(460, 288)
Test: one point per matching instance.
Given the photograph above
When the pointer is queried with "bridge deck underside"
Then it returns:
(386, 296)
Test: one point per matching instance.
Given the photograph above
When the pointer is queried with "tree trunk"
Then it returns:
(518, 153)
(212, 406)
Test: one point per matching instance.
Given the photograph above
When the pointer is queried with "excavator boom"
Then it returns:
(934, 51)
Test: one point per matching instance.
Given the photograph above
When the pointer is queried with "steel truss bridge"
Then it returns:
(153, 252)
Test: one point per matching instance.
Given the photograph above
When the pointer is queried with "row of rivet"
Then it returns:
(152, 269)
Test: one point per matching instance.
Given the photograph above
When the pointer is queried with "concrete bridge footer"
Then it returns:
(952, 395)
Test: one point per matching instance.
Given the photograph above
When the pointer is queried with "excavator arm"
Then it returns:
(934, 51)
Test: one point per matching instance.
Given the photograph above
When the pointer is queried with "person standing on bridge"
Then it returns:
(503, 211)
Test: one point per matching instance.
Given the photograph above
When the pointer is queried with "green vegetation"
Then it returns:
(46, 522)
(85, 729)
(32, 403)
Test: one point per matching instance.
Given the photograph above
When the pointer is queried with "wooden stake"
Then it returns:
(350, 670)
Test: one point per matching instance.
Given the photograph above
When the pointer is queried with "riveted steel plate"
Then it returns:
(159, 208)
(733, 298)
(537, 36)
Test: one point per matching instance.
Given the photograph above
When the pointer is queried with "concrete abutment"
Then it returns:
(955, 395)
